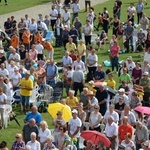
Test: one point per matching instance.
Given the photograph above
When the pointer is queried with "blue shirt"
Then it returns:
(37, 117)
(139, 8)
(50, 71)
(99, 75)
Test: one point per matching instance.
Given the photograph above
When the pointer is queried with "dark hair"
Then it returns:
(64, 128)
(3, 144)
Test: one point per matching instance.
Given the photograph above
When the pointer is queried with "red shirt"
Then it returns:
(114, 50)
(123, 130)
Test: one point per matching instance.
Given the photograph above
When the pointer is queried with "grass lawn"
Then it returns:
(9, 133)
(14, 5)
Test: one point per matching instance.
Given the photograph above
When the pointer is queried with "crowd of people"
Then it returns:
(24, 64)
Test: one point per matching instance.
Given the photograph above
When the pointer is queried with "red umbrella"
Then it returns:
(143, 109)
(95, 137)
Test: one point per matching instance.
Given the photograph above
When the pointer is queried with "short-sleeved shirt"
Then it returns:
(26, 83)
(144, 83)
(125, 77)
(82, 48)
(44, 134)
(37, 117)
(124, 129)
(70, 47)
(99, 75)
(111, 83)
(91, 59)
(2, 98)
(72, 102)
(129, 30)
(27, 130)
(74, 124)
(53, 13)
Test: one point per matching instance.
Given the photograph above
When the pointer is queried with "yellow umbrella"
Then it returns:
(55, 107)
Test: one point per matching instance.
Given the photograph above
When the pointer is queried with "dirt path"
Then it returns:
(40, 9)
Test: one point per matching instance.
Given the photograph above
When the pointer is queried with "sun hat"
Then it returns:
(74, 111)
(145, 74)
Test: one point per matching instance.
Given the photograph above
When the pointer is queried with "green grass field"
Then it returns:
(14, 5)
(9, 133)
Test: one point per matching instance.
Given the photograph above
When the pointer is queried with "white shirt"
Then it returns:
(81, 63)
(2, 98)
(43, 26)
(11, 70)
(147, 57)
(74, 124)
(130, 67)
(75, 8)
(4, 72)
(53, 14)
(91, 59)
(34, 146)
(43, 135)
(114, 114)
(66, 16)
(9, 91)
(111, 130)
(88, 30)
(129, 145)
(15, 57)
(39, 48)
(131, 10)
(70, 73)
(16, 78)
(66, 61)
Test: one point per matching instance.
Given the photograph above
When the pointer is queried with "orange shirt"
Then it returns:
(38, 38)
(123, 130)
(26, 37)
(48, 46)
(15, 41)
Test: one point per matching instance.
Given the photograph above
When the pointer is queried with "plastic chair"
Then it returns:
(49, 36)
(7, 111)
(34, 96)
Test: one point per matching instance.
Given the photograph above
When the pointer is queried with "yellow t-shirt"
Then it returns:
(72, 102)
(82, 48)
(26, 83)
(111, 83)
(91, 88)
(70, 47)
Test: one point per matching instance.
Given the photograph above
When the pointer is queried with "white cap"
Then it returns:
(129, 58)
(1, 51)
(43, 39)
(121, 90)
(145, 74)
(65, 26)
(91, 82)
(74, 111)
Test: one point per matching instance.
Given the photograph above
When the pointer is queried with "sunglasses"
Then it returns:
(60, 129)
(58, 114)
(17, 137)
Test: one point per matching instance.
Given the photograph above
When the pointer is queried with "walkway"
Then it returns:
(40, 9)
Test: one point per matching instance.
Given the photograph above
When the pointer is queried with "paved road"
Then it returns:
(40, 9)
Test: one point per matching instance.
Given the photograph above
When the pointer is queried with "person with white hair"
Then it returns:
(71, 100)
(49, 145)
(78, 80)
(111, 131)
(43, 133)
(35, 145)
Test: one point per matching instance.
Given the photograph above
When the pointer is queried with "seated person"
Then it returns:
(33, 114)
(99, 74)
(71, 100)
(125, 87)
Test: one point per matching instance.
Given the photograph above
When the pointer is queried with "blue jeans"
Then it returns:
(51, 83)
(114, 63)
(83, 59)
(25, 100)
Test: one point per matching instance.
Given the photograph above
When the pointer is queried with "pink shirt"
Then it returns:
(33, 54)
(114, 51)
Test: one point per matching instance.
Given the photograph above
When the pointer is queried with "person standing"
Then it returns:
(53, 15)
(66, 17)
(102, 96)
(51, 73)
(119, 4)
(87, 2)
(114, 55)
(75, 10)
(139, 9)
(78, 80)
(74, 126)
(8, 26)
(26, 86)
(78, 26)
(5, 2)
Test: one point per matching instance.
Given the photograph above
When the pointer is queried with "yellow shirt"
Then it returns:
(72, 102)
(26, 83)
(70, 47)
(91, 88)
(81, 48)
(111, 83)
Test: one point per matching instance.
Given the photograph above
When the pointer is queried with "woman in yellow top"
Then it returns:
(91, 87)
(26, 86)
(81, 50)
(111, 82)
(71, 100)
